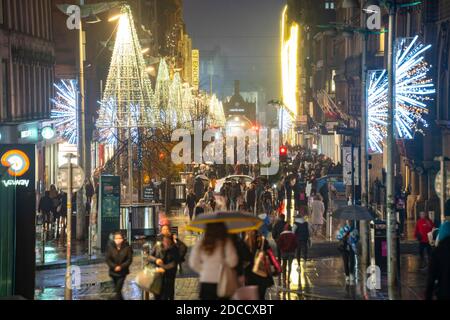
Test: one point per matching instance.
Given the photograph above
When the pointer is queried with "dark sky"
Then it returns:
(247, 31)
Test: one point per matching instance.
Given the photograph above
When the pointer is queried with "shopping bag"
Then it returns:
(186, 211)
(145, 278)
(228, 281)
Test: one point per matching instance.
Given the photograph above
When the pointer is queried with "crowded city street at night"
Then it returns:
(256, 153)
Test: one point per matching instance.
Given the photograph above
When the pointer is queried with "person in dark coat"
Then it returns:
(119, 256)
(251, 198)
(277, 229)
(255, 242)
(190, 202)
(287, 243)
(199, 189)
(46, 207)
(301, 231)
(438, 282)
(165, 255)
(235, 194)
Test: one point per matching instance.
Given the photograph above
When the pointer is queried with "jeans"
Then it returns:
(422, 248)
(348, 257)
(118, 285)
(302, 248)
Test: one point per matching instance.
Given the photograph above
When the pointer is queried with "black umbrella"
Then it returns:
(353, 213)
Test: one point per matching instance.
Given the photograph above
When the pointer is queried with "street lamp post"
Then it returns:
(391, 218)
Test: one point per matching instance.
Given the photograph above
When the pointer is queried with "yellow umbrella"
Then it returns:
(236, 222)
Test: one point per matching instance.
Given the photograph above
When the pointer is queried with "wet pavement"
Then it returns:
(320, 278)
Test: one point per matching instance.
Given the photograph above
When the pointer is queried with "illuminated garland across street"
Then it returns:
(64, 114)
(413, 91)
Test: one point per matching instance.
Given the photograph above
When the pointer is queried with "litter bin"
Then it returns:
(380, 253)
(178, 193)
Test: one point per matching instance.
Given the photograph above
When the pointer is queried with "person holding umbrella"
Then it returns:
(207, 256)
(348, 237)
(216, 251)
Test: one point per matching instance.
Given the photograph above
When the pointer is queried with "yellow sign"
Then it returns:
(196, 69)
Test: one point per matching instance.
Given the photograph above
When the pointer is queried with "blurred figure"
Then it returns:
(267, 200)
(439, 269)
(119, 256)
(210, 199)
(288, 247)
(317, 212)
(277, 229)
(250, 198)
(424, 226)
(190, 203)
(301, 231)
(257, 244)
(199, 189)
(207, 256)
(200, 208)
(165, 256)
(45, 208)
(235, 193)
(348, 238)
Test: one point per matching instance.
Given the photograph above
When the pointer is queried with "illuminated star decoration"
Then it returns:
(64, 114)
(413, 90)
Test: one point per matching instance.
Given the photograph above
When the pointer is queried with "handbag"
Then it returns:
(261, 266)
(275, 263)
(150, 280)
(228, 283)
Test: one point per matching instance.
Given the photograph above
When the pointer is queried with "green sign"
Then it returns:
(109, 206)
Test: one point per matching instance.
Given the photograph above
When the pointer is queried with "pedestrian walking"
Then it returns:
(199, 189)
(210, 199)
(348, 238)
(45, 208)
(208, 257)
(119, 256)
(317, 212)
(424, 226)
(258, 247)
(267, 200)
(250, 198)
(235, 193)
(288, 247)
(277, 229)
(438, 282)
(180, 245)
(165, 255)
(190, 203)
(301, 231)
